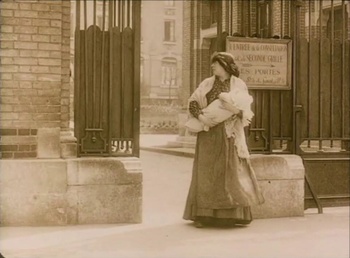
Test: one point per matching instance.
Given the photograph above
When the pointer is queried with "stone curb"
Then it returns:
(170, 151)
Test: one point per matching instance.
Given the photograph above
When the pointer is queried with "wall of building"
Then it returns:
(34, 72)
(156, 49)
(161, 65)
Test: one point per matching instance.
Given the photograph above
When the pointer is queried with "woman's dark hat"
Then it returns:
(226, 60)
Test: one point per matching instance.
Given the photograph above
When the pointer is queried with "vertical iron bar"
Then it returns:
(110, 27)
(128, 13)
(256, 120)
(86, 65)
(102, 62)
(261, 108)
(258, 32)
(123, 14)
(290, 18)
(262, 17)
(249, 18)
(220, 45)
(295, 32)
(77, 18)
(270, 17)
(243, 32)
(270, 122)
(94, 66)
(282, 18)
(265, 19)
(120, 15)
(85, 14)
(230, 17)
(136, 25)
(255, 108)
(291, 31)
(231, 22)
(114, 12)
(77, 81)
(343, 71)
(121, 11)
(77, 15)
(320, 77)
(281, 115)
(281, 92)
(309, 77)
(331, 75)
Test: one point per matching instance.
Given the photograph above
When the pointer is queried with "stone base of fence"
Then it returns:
(43, 192)
(281, 179)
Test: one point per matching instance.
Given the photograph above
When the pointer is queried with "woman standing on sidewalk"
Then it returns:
(223, 185)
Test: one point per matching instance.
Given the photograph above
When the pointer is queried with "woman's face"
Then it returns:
(218, 70)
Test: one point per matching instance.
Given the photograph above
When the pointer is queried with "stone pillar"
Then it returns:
(65, 65)
(35, 72)
(36, 144)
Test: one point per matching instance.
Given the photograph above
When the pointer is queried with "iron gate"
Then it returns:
(107, 77)
(313, 118)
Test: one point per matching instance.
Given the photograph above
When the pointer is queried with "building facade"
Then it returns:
(161, 65)
(161, 50)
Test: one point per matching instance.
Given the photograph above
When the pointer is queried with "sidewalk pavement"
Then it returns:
(164, 143)
(164, 234)
(152, 140)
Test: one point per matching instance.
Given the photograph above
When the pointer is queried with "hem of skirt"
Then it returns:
(241, 213)
(212, 221)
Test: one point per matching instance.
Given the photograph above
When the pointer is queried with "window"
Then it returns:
(170, 3)
(169, 30)
(169, 71)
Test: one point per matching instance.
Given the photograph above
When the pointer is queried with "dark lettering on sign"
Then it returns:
(263, 63)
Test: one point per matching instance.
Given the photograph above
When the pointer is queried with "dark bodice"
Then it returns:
(218, 87)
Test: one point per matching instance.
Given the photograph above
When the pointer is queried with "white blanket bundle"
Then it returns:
(234, 125)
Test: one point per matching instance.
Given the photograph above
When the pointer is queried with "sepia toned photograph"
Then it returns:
(174, 128)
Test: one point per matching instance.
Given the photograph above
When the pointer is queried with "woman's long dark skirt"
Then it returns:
(223, 186)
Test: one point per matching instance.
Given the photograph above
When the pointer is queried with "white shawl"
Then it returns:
(235, 125)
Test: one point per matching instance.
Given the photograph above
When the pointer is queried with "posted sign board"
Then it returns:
(263, 63)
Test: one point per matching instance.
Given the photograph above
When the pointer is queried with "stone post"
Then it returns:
(34, 74)
(38, 152)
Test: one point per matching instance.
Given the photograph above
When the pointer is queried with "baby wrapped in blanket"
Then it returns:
(217, 113)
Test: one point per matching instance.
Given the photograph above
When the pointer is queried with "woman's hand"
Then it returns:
(206, 121)
(230, 107)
